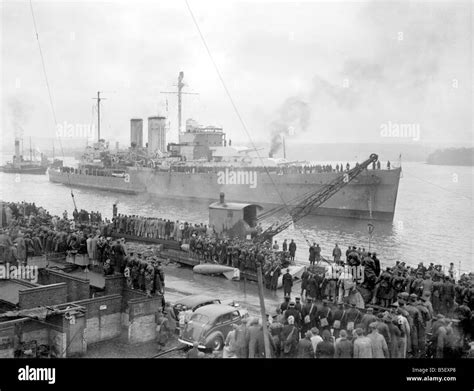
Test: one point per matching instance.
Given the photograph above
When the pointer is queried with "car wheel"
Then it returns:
(217, 343)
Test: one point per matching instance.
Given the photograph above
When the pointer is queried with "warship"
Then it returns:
(204, 164)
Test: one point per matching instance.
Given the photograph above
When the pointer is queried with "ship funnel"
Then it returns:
(136, 132)
(17, 148)
(156, 134)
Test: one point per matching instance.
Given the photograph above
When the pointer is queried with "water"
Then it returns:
(433, 222)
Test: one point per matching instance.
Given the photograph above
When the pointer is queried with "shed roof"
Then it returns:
(232, 206)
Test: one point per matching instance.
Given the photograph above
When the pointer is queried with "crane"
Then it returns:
(314, 200)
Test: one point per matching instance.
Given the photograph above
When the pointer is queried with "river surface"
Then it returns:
(433, 222)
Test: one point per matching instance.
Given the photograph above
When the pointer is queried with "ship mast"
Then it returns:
(98, 99)
(180, 93)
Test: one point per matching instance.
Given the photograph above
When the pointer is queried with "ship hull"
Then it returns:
(25, 171)
(372, 195)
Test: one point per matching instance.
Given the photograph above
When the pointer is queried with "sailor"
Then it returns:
(289, 338)
(292, 249)
(293, 312)
(287, 283)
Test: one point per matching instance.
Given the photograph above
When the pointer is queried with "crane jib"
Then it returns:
(314, 200)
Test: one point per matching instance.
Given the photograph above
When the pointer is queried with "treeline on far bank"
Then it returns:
(452, 157)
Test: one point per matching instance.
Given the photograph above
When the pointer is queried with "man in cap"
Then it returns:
(353, 316)
(289, 338)
(339, 321)
(308, 315)
(292, 311)
(424, 319)
(344, 348)
(286, 303)
(298, 305)
(448, 294)
(417, 323)
(324, 316)
(305, 347)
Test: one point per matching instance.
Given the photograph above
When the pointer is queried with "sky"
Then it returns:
(317, 72)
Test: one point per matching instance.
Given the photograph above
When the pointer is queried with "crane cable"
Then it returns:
(285, 206)
(50, 97)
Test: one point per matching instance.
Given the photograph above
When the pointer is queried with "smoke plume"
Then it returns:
(293, 117)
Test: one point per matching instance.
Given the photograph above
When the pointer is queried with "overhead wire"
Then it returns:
(50, 96)
(237, 112)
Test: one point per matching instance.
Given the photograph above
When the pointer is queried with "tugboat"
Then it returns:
(22, 166)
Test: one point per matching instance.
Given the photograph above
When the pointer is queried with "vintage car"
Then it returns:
(193, 302)
(209, 325)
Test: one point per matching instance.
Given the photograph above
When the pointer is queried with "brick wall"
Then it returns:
(114, 284)
(77, 288)
(42, 296)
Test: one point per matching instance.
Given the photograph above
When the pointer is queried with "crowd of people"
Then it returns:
(201, 241)
(352, 309)
(281, 169)
(348, 307)
(409, 328)
(28, 231)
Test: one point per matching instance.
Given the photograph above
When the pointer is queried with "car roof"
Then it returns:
(194, 300)
(215, 310)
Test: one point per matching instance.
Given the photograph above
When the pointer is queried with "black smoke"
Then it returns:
(292, 117)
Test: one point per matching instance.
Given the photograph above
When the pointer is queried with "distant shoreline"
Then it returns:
(452, 157)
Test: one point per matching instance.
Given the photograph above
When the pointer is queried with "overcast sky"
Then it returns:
(350, 67)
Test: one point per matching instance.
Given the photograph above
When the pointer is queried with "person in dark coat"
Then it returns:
(292, 249)
(312, 254)
(377, 264)
(324, 317)
(286, 303)
(308, 315)
(287, 283)
(304, 281)
(305, 347)
(294, 313)
(344, 348)
(289, 339)
(325, 349)
(339, 321)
